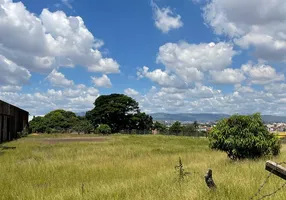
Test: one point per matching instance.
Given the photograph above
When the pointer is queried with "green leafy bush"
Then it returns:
(244, 137)
(103, 129)
(83, 126)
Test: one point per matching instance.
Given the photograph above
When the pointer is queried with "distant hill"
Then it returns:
(80, 114)
(205, 117)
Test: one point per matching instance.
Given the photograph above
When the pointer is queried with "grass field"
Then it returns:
(126, 167)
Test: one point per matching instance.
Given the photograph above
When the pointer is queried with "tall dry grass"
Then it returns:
(127, 167)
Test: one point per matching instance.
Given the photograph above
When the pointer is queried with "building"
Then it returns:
(12, 121)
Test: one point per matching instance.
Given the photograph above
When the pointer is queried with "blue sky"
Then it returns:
(215, 56)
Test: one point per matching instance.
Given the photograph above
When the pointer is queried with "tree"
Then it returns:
(38, 125)
(115, 110)
(83, 126)
(103, 129)
(176, 128)
(162, 128)
(54, 122)
(190, 130)
(141, 121)
(244, 137)
(60, 120)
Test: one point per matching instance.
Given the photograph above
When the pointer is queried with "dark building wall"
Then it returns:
(12, 121)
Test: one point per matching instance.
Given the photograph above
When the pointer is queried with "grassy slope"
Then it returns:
(126, 167)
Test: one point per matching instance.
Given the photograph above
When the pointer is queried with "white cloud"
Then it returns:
(11, 73)
(162, 78)
(59, 80)
(227, 76)
(262, 74)
(61, 40)
(103, 81)
(262, 27)
(131, 92)
(10, 88)
(183, 56)
(39, 103)
(243, 89)
(67, 3)
(204, 99)
(165, 18)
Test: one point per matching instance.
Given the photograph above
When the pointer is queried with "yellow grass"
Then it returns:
(126, 167)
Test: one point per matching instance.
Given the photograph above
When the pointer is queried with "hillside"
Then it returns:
(205, 117)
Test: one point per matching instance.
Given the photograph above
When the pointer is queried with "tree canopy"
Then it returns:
(60, 121)
(176, 128)
(119, 112)
(243, 137)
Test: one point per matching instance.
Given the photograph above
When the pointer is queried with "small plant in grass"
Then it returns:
(26, 131)
(181, 170)
(103, 129)
(244, 137)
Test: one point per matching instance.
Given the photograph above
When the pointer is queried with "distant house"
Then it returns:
(12, 121)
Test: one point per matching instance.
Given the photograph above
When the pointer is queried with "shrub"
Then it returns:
(83, 126)
(175, 129)
(244, 137)
(103, 129)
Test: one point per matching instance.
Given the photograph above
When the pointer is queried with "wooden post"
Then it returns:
(276, 169)
(209, 179)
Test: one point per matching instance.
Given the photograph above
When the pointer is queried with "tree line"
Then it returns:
(114, 113)
(111, 114)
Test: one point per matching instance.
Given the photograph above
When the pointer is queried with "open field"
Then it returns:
(126, 167)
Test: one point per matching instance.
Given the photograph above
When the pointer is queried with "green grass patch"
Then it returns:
(126, 167)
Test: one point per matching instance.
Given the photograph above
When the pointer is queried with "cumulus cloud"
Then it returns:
(165, 18)
(160, 77)
(59, 80)
(205, 99)
(262, 74)
(131, 92)
(182, 56)
(61, 40)
(103, 81)
(262, 27)
(186, 63)
(78, 99)
(227, 76)
(10, 88)
(11, 73)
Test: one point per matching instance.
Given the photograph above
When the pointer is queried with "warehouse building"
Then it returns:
(12, 121)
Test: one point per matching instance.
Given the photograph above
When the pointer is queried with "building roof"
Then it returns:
(13, 106)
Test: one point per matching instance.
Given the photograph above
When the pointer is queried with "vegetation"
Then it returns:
(60, 121)
(161, 128)
(83, 126)
(127, 167)
(120, 112)
(176, 128)
(244, 137)
(103, 129)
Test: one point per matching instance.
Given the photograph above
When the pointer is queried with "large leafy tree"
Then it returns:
(60, 120)
(176, 128)
(115, 110)
(243, 137)
(141, 121)
(55, 121)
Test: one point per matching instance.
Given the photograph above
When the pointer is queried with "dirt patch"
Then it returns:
(75, 139)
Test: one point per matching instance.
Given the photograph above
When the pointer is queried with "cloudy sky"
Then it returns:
(199, 56)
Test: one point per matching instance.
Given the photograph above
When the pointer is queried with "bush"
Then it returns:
(83, 126)
(26, 131)
(175, 129)
(244, 137)
(103, 129)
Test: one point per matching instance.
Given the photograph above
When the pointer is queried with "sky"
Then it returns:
(172, 56)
